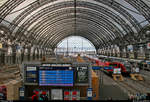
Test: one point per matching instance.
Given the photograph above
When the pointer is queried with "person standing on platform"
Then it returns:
(43, 96)
(35, 97)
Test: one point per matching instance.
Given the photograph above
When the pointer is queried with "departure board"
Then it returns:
(56, 77)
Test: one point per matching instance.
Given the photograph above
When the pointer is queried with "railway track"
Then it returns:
(125, 86)
(140, 85)
(144, 83)
(145, 73)
(131, 86)
(128, 88)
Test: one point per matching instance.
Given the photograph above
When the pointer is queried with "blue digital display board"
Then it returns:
(56, 77)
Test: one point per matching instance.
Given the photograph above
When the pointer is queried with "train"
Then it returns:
(109, 63)
(124, 66)
(124, 63)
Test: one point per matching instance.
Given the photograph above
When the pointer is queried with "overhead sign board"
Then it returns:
(56, 65)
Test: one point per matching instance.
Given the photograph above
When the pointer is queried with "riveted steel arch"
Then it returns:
(141, 7)
(45, 19)
(63, 18)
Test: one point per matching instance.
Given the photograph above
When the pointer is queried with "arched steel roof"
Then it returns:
(49, 21)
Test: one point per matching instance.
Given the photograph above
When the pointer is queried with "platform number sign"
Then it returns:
(89, 93)
(148, 45)
(117, 71)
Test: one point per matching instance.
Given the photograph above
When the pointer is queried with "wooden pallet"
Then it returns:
(116, 76)
(136, 77)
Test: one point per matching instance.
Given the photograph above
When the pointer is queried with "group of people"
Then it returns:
(135, 69)
(39, 97)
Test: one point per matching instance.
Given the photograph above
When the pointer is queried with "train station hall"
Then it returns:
(74, 50)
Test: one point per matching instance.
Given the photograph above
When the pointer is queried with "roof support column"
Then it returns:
(113, 50)
(22, 54)
(121, 51)
(135, 51)
(100, 51)
(29, 53)
(127, 52)
(14, 54)
(147, 53)
(105, 51)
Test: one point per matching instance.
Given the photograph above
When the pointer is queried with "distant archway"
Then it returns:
(75, 45)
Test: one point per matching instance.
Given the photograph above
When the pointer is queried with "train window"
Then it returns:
(113, 65)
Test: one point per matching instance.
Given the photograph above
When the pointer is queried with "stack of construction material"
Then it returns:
(8, 73)
(79, 59)
(95, 85)
(12, 88)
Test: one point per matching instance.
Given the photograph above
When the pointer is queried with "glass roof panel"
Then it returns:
(136, 14)
(2, 2)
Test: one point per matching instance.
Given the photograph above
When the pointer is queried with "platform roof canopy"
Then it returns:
(47, 22)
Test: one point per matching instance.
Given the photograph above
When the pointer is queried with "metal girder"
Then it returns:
(61, 6)
(44, 27)
(60, 36)
(116, 6)
(89, 6)
(81, 21)
(82, 35)
(87, 35)
(92, 35)
(7, 7)
(141, 7)
(42, 21)
(135, 3)
(62, 32)
(57, 22)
